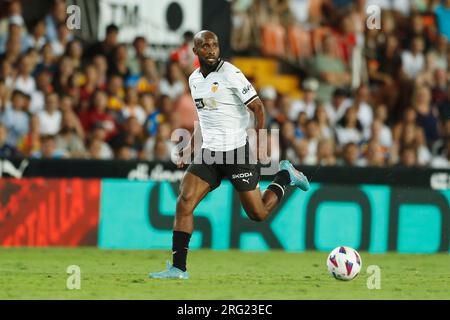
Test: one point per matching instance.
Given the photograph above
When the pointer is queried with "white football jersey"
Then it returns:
(221, 100)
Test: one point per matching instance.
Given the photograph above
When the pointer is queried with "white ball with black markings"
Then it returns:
(344, 263)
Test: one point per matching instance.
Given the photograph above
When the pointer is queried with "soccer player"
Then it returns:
(222, 95)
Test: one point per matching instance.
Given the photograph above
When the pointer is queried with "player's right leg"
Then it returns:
(197, 182)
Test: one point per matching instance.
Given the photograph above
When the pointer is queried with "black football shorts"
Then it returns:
(213, 166)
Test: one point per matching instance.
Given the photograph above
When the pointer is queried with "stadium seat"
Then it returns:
(299, 42)
(273, 40)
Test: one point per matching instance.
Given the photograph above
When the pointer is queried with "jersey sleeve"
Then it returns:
(242, 87)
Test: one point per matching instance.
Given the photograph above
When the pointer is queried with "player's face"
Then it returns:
(208, 50)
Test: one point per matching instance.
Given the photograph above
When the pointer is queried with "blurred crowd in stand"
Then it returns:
(370, 97)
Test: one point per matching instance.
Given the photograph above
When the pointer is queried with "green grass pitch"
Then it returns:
(35, 273)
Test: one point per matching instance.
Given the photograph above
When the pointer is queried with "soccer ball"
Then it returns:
(344, 263)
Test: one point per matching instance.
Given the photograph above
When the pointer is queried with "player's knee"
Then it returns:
(185, 205)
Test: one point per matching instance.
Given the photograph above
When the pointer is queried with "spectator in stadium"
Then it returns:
(74, 50)
(414, 139)
(140, 52)
(385, 68)
(268, 96)
(94, 150)
(37, 38)
(166, 106)
(67, 104)
(54, 18)
(321, 116)
(8, 75)
(70, 139)
(241, 26)
(289, 143)
(50, 118)
(174, 83)
(97, 147)
(13, 8)
(417, 29)
(116, 93)
(153, 117)
(312, 137)
(47, 62)
(4, 94)
(148, 80)
(101, 64)
(13, 49)
(48, 149)
(132, 107)
(186, 110)
(300, 125)
(187, 60)
(125, 153)
(24, 80)
(409, 117)
(335, 108)
(119, 63)
(302, 155)
(308, 103)
(16, 31)
(362, 106)
(413, 60)
(43, 88)
(444, 106)
(439, 87)
(90, 85)
(440, 52)
(427, 116)
(349, 129)
(15, 118)
(408, 156)
(107, 46)
(6, 150)
(153, 149)
(63, 80)
(99, 113)
(326, 152)
(64, 37)
(130, 137)
(373, 155)
(442, 13)
(30, 142)
(350, 155)
(330, 70)
(380, 133)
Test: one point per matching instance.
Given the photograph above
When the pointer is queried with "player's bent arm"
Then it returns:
(258, 109)
(260, 119)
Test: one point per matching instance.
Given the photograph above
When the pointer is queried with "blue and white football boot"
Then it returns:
(171, 273)
(298, 179)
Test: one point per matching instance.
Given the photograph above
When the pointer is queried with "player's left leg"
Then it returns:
(257, 205)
